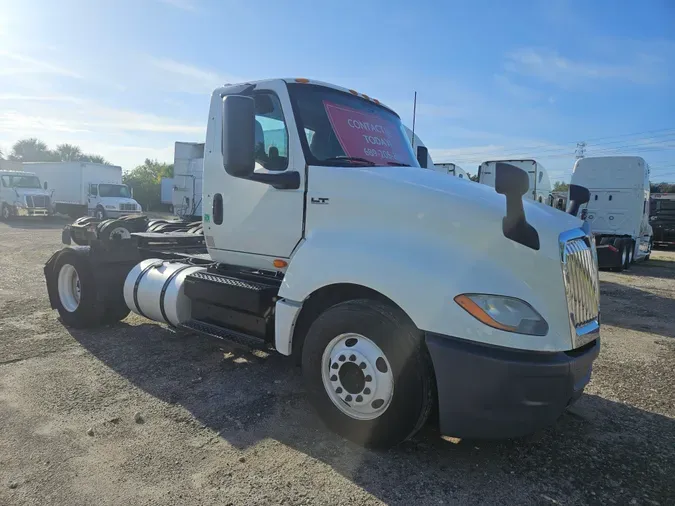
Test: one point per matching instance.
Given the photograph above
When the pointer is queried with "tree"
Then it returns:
(145, 180)
(68, 153)
(559, 186)
(95, 159)
(662, 188)
(30, 150)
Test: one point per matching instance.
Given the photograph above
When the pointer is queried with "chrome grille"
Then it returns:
(39, 201)
(580, 270)
(127, 207)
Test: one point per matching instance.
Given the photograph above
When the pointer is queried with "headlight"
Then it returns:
(504, 313)
(19, 204)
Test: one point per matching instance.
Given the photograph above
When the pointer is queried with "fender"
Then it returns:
(424, 278)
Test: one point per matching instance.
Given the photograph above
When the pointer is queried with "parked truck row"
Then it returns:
(401, 292)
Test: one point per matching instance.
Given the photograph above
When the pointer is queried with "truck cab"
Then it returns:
(111, 200)
(662, 218)
(397, 289)
(21, 194)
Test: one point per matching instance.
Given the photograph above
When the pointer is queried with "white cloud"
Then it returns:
(189, 78)
(16, 63)
(517, 91)
(552, 67)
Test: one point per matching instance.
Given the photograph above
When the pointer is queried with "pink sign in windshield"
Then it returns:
(368, 136)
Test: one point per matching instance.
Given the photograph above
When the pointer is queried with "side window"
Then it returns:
(271, 134)
(93, 190)
(4, 181)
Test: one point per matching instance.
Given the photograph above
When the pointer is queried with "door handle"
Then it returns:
(218, 209)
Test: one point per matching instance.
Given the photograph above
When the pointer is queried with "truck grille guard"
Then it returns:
(582, 287)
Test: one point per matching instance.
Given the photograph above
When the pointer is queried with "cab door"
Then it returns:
(246, 222)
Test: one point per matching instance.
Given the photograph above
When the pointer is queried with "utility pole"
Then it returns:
(580, 152)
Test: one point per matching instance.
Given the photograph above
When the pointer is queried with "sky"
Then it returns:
(127, 78)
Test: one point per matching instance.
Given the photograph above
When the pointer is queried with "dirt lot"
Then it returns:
(221, 425)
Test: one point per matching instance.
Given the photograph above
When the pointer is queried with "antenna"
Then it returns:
(412, 141)
(580, 152)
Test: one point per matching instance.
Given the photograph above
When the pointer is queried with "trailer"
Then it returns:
(452, 169)
(662, 218)
(618, 209)
(324, 240)
(188, 170)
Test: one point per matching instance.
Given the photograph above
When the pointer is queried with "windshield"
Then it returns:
(21, 182)
(113, 190)
(337, 128)
(665, 205)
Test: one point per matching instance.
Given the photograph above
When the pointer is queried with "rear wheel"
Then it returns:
(99, 213)
(76, 299)
(368, 373)
(630, 247)
(115, 230)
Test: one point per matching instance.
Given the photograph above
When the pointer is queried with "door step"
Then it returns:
(230, 291)
(214, 331)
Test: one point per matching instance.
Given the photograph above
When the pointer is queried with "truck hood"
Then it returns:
(467, 198)
(32, 191)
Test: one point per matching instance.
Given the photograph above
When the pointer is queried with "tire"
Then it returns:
(100, 213)
(630, 246)
(83, 310)
(620, 244)
(114, 230)
(648, 255)
(401, 349)
(5, 212)
(116, 312)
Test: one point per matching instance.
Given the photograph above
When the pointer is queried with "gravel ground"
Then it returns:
(135, 414)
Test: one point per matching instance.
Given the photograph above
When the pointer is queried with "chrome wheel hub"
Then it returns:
(69, 288)
(357, 376)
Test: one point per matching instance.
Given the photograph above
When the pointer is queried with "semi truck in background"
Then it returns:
(188, 174)
(330, 245)
(662, 218)
(21, 194)
(540, 184)
(618, 209)
(86, 189)
(452, 169)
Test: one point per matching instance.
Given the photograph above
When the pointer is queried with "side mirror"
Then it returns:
(238, 141)
(45, 185)
(578, 196)
(422, 156)
(513, 183)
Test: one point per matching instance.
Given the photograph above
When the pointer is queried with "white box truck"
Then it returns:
(86, 189)
(21, 194)
(400, 291)
(618, 209)
(540, 184)
(188, 173)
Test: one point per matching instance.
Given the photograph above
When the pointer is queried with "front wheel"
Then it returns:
(368, 373)
(99, 213)
(5, 212)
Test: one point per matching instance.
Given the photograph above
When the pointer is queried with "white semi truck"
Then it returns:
(21, 194)
(397, 289)
(539, 183)
(86, 189)
(618, 209)
(452, 169)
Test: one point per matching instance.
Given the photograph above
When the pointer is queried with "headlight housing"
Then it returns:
(504, 313)
(19, 204)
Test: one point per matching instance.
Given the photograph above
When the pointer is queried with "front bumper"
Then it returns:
(487, 392)
(31, 211)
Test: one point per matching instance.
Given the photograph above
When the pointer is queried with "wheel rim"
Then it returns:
(5, 212)
(69, 288)
(357, 376)
(99, 214)
(120, 233)
(624, 254)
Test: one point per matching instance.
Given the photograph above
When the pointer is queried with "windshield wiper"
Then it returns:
(354, 159)
(399, 164)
